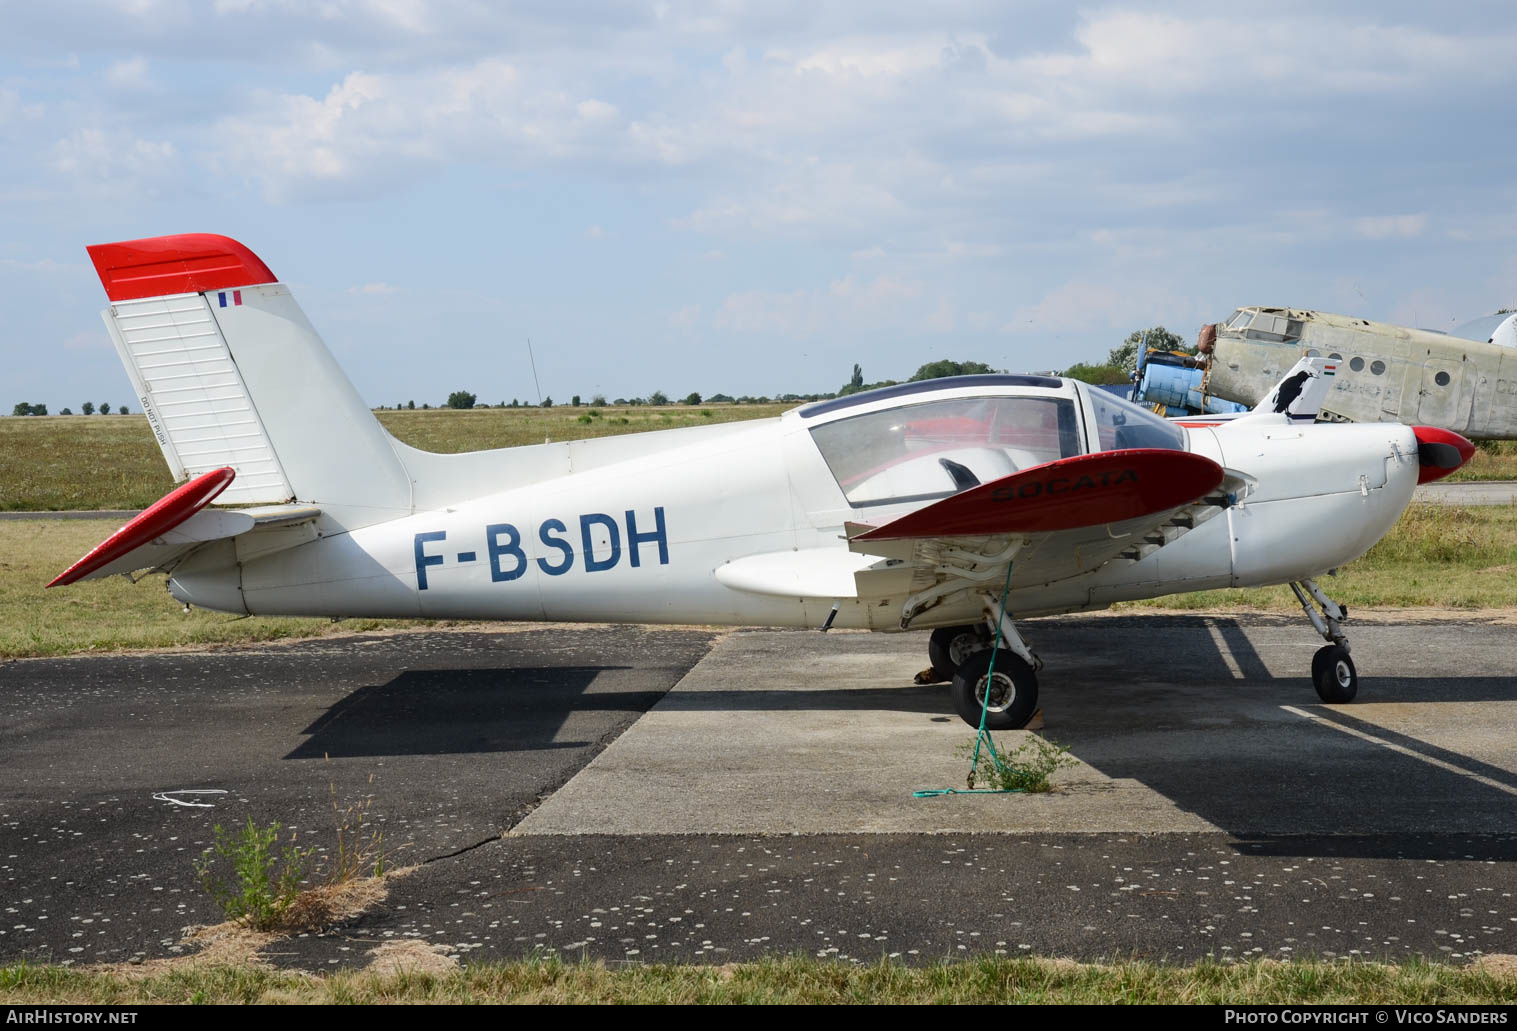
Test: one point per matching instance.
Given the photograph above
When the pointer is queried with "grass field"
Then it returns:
(1437, 555)
(792, 980)
(55, 463)
(1461, 558)
(60, 462)
(111, 614)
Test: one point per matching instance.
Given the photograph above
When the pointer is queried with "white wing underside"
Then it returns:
(891, 569)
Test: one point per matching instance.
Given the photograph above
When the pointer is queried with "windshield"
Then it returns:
(940, 448)
(1121, 424)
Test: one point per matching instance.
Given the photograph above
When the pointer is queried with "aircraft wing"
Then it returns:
(177, 524)
(1053, 521)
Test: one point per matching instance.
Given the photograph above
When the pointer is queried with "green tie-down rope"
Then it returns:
(982, 736)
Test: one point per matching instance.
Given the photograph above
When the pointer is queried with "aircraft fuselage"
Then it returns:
(643, 540)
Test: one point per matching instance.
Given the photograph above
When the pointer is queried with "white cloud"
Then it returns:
(867, 57)
(1085, 305)
(874, 173)
(795, 124)
(846, 305)
(128, 75)
(1383, 227)
(376, 129)
(114, 158)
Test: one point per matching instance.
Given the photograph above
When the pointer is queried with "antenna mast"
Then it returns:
(536, 384)
(547, 438)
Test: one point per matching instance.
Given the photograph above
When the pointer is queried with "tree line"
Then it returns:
(1118, 368)
(88, 408)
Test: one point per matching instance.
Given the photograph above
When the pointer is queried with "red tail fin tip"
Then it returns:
(184, 264)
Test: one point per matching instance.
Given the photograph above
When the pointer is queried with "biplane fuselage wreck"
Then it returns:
(1464, 380)
(947, 505)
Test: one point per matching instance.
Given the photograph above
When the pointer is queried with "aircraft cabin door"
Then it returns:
(1445, 398)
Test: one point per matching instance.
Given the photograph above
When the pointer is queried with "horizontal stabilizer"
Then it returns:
(153, 522)
(1087, 490)
(154, 540)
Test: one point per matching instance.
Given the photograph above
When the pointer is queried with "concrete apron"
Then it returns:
(1182, 723)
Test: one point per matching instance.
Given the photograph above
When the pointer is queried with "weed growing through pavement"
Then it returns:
(1025, 768)
(299, 888)
(263, 884)
(360, 844)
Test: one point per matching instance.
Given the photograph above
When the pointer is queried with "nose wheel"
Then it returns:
(1333, 672)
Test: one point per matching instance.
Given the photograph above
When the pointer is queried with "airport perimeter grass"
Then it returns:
(60, 462)
(113, 614)
(788, 980)
(1437, 556)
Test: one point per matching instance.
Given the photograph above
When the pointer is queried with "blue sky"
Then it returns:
(750, 197)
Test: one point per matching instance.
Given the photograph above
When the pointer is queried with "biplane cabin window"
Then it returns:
(939, 448)
(1272, 324)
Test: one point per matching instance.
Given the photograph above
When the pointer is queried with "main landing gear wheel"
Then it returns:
(949, 646)
(1334, 675)
(1013, 691)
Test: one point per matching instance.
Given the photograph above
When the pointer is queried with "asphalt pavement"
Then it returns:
(637, 795)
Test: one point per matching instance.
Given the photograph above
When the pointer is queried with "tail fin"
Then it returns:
(1299, 396)
(231, 374)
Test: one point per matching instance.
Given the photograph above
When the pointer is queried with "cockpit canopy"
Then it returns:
(946, 436)
(1272, 324)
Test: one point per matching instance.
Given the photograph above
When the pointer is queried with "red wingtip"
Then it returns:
(184, 264)
(1440, 452)
(159, 518)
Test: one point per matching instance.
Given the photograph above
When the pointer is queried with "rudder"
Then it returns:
(230, 372)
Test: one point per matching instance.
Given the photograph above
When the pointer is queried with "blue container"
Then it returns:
(1175, 386)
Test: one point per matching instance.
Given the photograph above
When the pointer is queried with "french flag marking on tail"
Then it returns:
(236, 297)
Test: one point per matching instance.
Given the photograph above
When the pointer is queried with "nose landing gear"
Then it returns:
(1333, 672)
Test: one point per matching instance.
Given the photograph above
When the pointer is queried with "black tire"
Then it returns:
(1334, 675)
(949, 646)
(1014, 699)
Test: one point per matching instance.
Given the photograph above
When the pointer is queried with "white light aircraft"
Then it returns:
(945, 505)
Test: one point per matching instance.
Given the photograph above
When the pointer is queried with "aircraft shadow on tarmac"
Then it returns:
(1221, 745)
(452, 711)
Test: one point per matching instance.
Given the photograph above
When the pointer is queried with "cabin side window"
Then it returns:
(1123, 425)
(939, 448)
